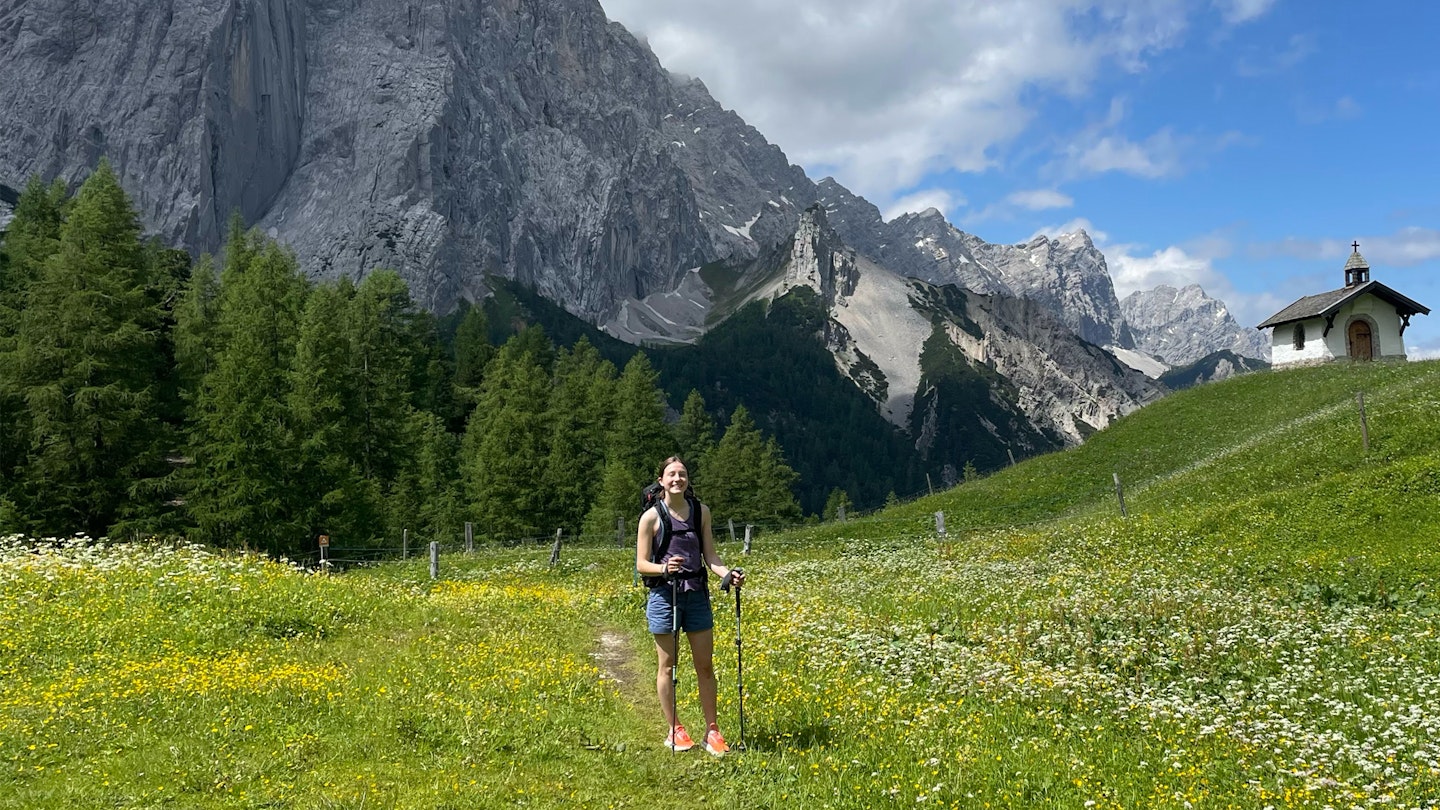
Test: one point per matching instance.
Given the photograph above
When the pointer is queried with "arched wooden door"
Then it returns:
(1361, 344)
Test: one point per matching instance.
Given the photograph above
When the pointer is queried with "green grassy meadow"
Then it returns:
(1261, 630)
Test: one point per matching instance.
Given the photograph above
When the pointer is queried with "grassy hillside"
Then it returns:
(1261, 630)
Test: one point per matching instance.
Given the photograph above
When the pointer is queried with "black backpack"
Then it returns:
(653, 496)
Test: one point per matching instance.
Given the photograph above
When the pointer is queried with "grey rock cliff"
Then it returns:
(1066, 275)
(198, 105)
(1182, 326)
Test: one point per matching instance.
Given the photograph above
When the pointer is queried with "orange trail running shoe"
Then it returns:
(679, 739)
(715, 744)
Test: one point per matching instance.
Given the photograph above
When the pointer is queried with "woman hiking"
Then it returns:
(680, 580)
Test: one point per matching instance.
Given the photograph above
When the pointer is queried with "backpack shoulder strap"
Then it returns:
(661, 543)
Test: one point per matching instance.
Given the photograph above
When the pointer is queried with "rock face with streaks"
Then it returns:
(1182, 326)
(531, 140)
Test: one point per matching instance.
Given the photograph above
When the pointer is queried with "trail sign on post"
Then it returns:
(325, 552)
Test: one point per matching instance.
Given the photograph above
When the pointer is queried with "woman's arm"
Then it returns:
(644, 538)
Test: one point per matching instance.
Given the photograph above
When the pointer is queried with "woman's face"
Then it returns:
(675, 478)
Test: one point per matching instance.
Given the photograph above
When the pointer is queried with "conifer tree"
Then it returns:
(323, 404)
(838, 500)
(579, 417)
(85, 361)
(696, 435)
(746, 477)
(380, 318)
(195, 315)
(428, 499)
(639, 440)
(243, 483)
(505, 444)
(31, 238)
(472, 348)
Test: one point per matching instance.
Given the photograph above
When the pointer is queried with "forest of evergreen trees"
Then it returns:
(235, 402)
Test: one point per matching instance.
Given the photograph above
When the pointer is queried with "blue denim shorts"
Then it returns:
(695, 613)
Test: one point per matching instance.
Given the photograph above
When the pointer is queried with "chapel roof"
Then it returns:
(1327, 304)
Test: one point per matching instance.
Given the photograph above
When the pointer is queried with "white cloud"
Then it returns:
(1099, 237)
(1175, 267)
(1101, 148)
(1406, 247)
(881, 94)
(1431, 352)
(1158, 156)
(1236, 12)
(939, 199)
(1040, 199)
(1271, 62)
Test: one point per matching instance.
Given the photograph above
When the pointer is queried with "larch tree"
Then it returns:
(243, 489)
(506, 442)
(639, 440)
(85, 362)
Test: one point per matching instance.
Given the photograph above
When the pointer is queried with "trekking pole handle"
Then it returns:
(729, 579)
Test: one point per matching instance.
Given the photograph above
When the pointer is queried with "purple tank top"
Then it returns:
(685, 542)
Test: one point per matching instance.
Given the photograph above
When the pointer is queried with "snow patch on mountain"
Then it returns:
(1141, 362)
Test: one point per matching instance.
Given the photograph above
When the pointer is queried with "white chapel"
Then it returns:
(1364, 320)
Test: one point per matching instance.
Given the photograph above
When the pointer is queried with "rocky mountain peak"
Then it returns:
(1067, 275)
(1181, 326)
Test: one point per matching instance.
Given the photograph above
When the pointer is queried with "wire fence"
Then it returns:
(728, 534)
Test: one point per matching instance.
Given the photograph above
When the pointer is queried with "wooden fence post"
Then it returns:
(405, 544)
(732, 530)
(555, 549)
(469, 537)
(620, 532)
(748, 527)
(1120, 494)
(840, 513)
(929, 487)
(940, 523)
(434, 559)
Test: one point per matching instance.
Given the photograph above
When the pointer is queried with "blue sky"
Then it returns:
(1238, 144)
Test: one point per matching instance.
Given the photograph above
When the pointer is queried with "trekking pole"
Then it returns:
(674, 655)
(739, 658)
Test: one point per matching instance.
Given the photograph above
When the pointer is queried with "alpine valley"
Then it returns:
(536, 151)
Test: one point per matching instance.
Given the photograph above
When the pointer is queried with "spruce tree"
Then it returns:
(84, 362)
(428, 499)
(639, 440)
(31, 238)
(838, 500)
(746, 477)
(194, 336)
(505, 444)
(696, 435)
(380, 318)
(580, 414)
(245, 452)
(323, 404)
